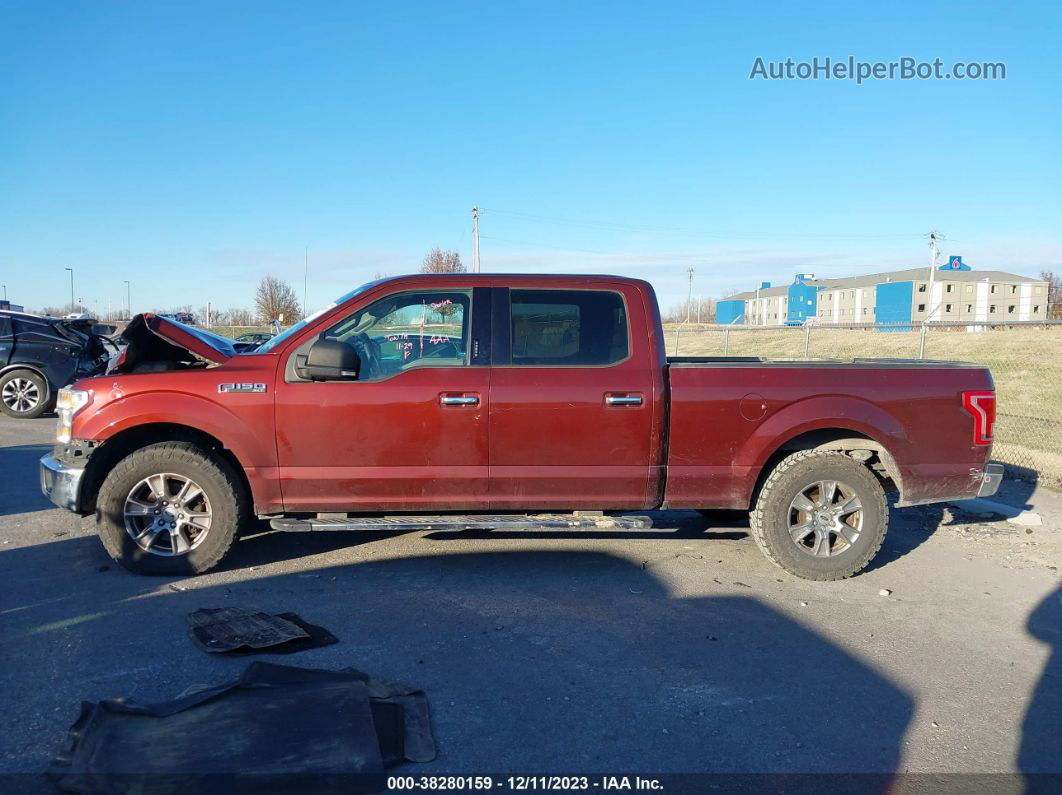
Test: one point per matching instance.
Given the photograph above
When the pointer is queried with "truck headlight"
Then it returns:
(68, 403)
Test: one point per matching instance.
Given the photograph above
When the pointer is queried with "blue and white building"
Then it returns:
(958, 293)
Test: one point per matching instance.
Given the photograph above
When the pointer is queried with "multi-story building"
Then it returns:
(958, 293)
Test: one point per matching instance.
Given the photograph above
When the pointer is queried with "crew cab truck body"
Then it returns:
(435, 399)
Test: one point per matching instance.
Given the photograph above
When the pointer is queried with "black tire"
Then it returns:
(220, 486)
(44, 399)
(774, 513)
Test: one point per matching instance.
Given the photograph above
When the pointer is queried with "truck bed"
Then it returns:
(744, 361)
(729, 415)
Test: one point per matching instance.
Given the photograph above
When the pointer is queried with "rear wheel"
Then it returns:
(820, 515)
(170, 508)
(24, 394)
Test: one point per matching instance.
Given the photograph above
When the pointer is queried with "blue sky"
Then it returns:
(193, 147)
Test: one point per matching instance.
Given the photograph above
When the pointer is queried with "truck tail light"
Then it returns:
(982, 405)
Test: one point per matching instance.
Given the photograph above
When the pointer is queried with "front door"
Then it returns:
(572, 400)
(410, 433)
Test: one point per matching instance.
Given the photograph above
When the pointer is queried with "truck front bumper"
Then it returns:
(991, 479)
(61, 483)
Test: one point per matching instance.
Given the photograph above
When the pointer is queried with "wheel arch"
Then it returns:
(126, 441)
(857, 444)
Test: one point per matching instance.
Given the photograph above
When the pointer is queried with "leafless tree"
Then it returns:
(239, 317)
(701, 310)
(276, 300)
(439, 261)
(1054, 294)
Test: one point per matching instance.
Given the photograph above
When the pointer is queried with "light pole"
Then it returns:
(5, 292)
(689, 298)
(73, 308)
(128, 303)
(475, 240)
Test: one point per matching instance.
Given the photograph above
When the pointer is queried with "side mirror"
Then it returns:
(330, 360)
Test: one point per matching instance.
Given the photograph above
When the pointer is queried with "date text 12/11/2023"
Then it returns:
(524, 783)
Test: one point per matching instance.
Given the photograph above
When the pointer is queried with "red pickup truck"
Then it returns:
(478, 401)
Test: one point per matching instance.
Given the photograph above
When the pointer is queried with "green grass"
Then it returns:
(232, 332)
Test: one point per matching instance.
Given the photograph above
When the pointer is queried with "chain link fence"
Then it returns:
(1025, 359)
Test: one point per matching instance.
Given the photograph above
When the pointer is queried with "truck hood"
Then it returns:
(150, 338)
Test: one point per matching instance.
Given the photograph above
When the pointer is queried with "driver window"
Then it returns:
(407, 330)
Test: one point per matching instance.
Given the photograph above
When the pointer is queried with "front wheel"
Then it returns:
(170, 509)
(24, 395)
(820, 515)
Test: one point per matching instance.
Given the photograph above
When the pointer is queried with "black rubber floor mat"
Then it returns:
(240, 631)
(275, 728)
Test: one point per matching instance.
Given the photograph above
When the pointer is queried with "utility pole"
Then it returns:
(934, 236)
(689, 298)
(475, 240)
(305, 271)
(72, 304)
(128, 303)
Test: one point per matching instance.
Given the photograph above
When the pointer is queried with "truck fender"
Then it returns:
(257, 459)
(825, 412)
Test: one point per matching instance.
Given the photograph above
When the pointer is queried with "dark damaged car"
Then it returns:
(40, 355)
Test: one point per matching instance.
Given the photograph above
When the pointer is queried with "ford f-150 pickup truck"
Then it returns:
(483, 401)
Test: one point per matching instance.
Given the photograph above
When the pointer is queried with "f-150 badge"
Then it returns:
(241, 387)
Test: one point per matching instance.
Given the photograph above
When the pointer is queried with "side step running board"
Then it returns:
(547, 521)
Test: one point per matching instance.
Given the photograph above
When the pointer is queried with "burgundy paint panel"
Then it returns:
(556, 444)
(241, 421)
(385, 445)
(916, 413)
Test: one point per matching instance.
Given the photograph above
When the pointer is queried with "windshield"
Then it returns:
(288, 332)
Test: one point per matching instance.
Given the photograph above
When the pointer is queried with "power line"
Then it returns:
(555, 248)
(685, 230)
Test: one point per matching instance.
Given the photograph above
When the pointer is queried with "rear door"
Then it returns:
(571, 400)
(410, 434)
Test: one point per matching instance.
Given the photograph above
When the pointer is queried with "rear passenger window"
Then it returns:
(568, 328)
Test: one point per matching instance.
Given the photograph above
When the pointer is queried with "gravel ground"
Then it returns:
(679, 649)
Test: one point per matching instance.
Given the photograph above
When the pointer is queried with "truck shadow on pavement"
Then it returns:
(1041, 734)
(19, 472)
(909, 528)
(534, 661)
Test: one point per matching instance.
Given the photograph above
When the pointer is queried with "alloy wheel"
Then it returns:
(825, 518)
(21, 395)
(167, 514)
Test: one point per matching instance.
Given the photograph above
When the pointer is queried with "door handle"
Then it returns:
(623, 400)
(459, 400)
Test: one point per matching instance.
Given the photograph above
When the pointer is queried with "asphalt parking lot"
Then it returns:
(679, 649)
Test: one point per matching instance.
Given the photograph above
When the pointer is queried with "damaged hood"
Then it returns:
(149, 337)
